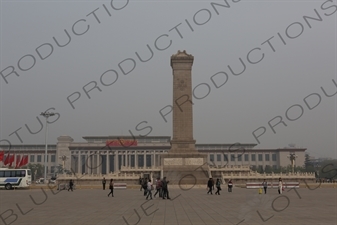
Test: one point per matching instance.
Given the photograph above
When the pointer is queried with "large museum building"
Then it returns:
(111, 154)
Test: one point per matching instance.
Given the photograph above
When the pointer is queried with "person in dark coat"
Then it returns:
(165, 193)
(265, 186)
(111, 187)
(71, 184)
(218, 187)
(103, 183)
(210, 185)
(145, 186)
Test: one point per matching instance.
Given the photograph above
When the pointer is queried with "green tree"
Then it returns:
(260, 169)
(300, 169)
(59, 169)
(328, 169)
(268, 169)
(308, 164)
(36, 169)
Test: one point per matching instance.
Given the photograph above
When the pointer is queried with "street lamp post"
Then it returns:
(292, 157)
(46, 115)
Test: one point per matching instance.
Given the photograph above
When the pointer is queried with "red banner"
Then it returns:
(6, 161)
(18, 160)
(24, 160)
(121, 143)
(2, 156)
(11, 160)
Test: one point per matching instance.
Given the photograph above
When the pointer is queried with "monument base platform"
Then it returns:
(185, 169)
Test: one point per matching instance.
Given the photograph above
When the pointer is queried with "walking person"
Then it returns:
(149, 189)
(165, 193)
(213, 184)
(145, 186)
(158, 188)
(280, 185)
(71, 184)
(111, 187)
(230, 186)
(103, 183)
(265, 186)
(218, 187)
(210, 185)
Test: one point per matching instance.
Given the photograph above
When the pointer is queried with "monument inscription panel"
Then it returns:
(194, 161)
(173, 162)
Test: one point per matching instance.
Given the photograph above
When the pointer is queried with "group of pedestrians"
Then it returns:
(111, 186)
(162, 189)
(217, 184)
(280, 187)
(160, 186)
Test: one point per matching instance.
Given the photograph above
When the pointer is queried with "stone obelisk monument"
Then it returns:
(183, 164)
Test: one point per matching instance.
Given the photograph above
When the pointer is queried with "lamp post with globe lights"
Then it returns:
(46, 115)
(292, 157)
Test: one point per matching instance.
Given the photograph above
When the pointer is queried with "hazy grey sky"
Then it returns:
(291, 57)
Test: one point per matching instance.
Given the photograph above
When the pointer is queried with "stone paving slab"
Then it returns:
(191, 207)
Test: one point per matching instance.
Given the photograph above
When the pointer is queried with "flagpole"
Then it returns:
(46, 115)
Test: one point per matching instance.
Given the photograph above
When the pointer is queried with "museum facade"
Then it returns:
(113, 154)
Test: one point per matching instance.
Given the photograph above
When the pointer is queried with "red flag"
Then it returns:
(24, 160)
(11, 160)
(6, 159)
(18, 161)
(2, 155)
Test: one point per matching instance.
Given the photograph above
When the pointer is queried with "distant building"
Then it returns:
(106, 154)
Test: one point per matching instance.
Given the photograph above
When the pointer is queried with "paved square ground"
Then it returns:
(194, 206)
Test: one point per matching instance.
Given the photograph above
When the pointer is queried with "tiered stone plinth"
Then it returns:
(185, 168)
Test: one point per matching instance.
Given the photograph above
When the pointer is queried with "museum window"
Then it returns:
(253, 157)
(53, 158)
(274, 167)
(120, 161)
(148, 161)
(31, 158)
(240, 157)
(211, 157)
(273, 157)
(132, 160)
(140, 160)
(232, 157)
(52, 169)
(218, 157)
(225, 156)
(267, 157)
(39, 158)
(260, 157)
(246, 157)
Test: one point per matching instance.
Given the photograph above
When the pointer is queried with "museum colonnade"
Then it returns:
(105, 162)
